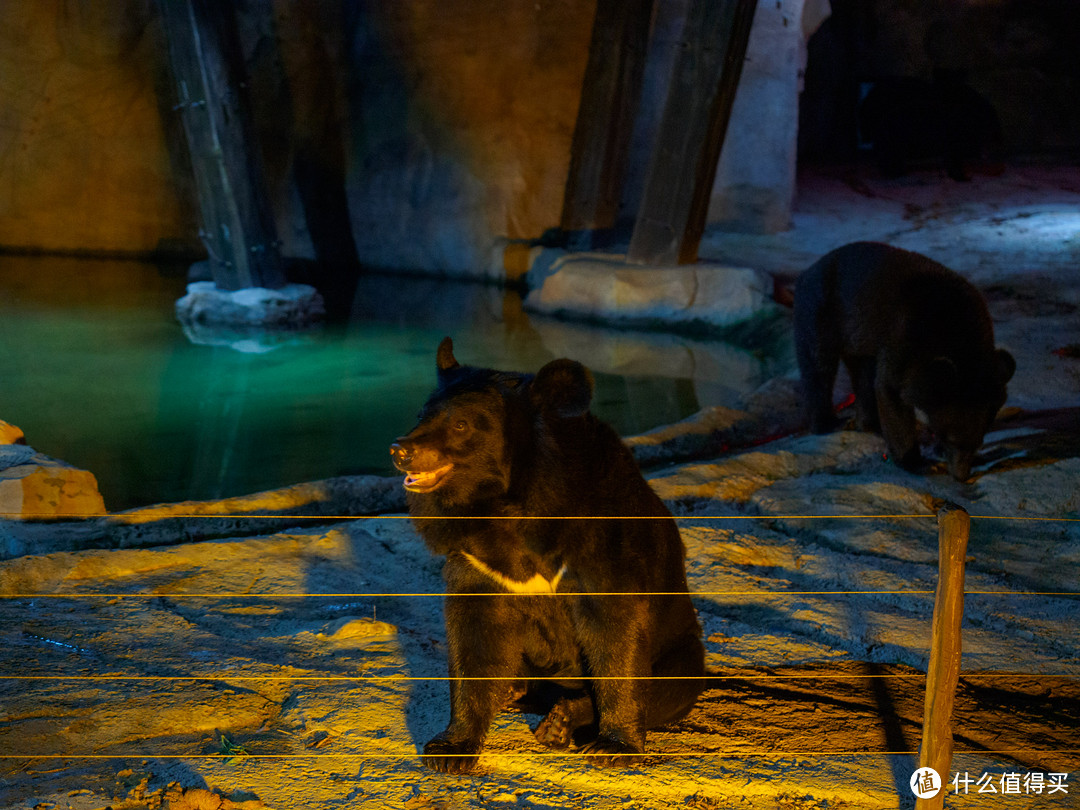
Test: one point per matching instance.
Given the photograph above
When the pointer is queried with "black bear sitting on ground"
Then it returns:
(913, 334)
(512, 478)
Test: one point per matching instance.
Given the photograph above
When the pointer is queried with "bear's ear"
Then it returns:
(562, 387)
(932, 384)
(444, 358)
(1004, 366)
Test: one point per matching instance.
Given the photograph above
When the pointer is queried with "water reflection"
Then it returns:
(96, 370)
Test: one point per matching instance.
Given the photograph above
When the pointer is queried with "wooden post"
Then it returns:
(237, 224)
(671, 219)
(945, 648)
(609, 98)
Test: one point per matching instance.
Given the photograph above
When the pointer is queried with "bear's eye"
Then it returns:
(460, 425)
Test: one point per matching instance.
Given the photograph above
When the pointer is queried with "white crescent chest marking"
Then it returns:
(537, 584)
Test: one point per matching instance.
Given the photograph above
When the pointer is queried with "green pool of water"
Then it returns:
(96, 371)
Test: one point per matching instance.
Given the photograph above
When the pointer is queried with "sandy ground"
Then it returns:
(302, 667)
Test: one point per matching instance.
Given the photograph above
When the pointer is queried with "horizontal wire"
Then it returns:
(1025, 517)
(206, 595)
(121, 518)
(380, 595)
(557, 678)
(384, 678)
(547, 754)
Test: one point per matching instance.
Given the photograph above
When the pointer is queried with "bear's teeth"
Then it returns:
(425, 481)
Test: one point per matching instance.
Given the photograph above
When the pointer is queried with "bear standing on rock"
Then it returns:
(548, 603)
(913, 334)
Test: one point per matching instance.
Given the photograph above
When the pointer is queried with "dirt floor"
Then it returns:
(302, 664)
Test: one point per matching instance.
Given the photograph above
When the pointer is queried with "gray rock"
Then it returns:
(306, 504)
(605, 288)
(293, 306)
(33, 485)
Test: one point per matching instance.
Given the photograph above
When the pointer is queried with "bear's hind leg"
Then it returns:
(862, 372)
(681, 678)
(567, 721)
(818, 356)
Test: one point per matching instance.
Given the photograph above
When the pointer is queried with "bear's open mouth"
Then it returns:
(427, 480)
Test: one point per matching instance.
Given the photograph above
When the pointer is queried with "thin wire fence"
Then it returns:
(533, 755)
(748, 676)
(400, 678)
(126, 518)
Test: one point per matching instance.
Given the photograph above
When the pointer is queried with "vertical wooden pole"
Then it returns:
(671, 219)
(605, 122)
(237, 224)
(945, 648)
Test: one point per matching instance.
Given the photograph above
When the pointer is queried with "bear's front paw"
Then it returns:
(450, 756)
(610, 750)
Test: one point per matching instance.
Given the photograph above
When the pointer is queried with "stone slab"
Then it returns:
(605, 288)
(33, 485)
(291, 306)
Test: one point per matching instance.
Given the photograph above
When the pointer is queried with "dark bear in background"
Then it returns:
(913, 334)
(506, 475)
(907, 119)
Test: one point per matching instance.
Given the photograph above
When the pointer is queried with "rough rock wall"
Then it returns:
(438, 130)
(433, 131)
(444, 126)
(462, 122)
(83, 158)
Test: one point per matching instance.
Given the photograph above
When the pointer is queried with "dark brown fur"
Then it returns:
(524, 448)
(912, 334)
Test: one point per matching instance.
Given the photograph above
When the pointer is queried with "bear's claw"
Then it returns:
(447, 756)
(608, 751)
